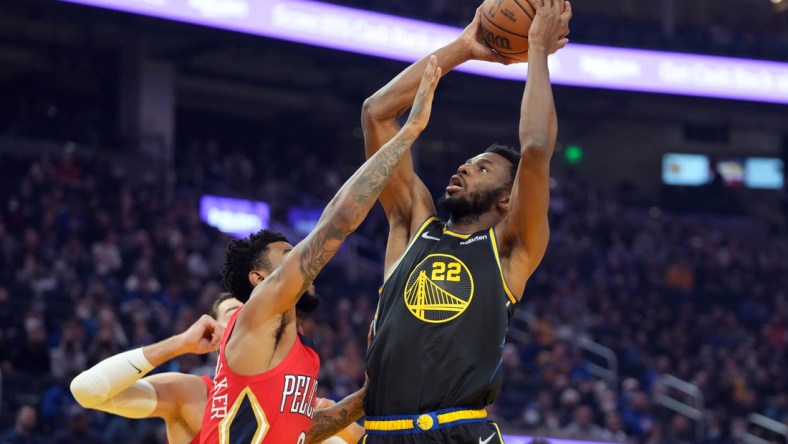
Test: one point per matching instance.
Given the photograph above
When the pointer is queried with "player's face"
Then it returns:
(226, 309)
(477, 186)
(277, 252)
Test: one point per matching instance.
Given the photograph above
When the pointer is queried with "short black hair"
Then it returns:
(214, 313)
(245, 255)
(510, 154)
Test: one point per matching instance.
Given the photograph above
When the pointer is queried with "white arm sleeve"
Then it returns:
(97, 387)
(137, 401)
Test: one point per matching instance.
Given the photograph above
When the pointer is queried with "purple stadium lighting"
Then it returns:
(238, 217)
(397, 38)
(516, 439)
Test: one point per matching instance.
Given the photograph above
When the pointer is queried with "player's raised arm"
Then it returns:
(406, 200)
(524, 233)
(281, 290)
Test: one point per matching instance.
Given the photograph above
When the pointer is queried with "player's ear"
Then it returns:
(255, 277)
(503, 201)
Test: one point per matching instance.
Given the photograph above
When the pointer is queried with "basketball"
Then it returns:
(505, 25)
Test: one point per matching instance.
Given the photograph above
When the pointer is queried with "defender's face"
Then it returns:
(226, 309)
(277, 251)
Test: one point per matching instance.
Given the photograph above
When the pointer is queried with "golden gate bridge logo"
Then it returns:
(439, 289)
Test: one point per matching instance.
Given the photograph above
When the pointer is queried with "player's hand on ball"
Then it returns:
(473, 38)
(551, 24)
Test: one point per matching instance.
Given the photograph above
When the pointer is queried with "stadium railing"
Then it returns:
(767, 423)
(693, 410)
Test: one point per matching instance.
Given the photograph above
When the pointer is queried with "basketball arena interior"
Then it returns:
(138, 137)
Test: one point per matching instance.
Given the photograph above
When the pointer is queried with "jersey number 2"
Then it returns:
(443, 272)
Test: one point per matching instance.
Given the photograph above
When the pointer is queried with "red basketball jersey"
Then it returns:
(208, 388)
(272, 407)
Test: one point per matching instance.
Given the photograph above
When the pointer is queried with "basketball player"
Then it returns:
(114, 385)
(450, 288)
(118, 384)
(266, 378)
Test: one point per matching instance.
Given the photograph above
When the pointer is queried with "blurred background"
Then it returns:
(133, 148)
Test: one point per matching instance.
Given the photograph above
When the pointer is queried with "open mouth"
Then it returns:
(455, 184)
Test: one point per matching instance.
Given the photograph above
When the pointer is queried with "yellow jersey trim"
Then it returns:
(410, 244)
(445, 418)
(455, 234)
(395, 425)
(494, 243)
(499, 433)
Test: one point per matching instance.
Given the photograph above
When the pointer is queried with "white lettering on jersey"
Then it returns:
(474, 239)
(218, 400)
(298, 395)
(287, 390)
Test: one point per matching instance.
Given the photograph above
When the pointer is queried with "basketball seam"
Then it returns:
(524, 10)
(503, 29)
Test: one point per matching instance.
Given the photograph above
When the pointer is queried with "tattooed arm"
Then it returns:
(281, 290)
(329, 421)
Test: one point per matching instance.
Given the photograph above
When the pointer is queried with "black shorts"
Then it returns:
(475, 433)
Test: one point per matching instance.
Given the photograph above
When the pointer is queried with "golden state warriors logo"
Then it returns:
(439, 289)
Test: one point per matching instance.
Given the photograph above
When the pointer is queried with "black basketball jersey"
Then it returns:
(440, 325)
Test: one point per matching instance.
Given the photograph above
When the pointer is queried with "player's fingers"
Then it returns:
(432, 75)
(216, 340)
(322, 403)
(567, 14)
(536, 4)
(562, 43)
(206, 321)
(429, 71)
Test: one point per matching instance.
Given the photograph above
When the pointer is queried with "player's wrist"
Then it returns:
(461, 48)
(182, 345)
(537, 45)
(167, 349)
(537, 49)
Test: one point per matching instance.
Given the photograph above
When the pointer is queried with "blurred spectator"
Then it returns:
(33, 357)
(583, 427)
(78, 429)
(23, 431)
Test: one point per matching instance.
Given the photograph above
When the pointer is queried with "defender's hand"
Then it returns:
(324, 403)
(203, 336)
(422, 104)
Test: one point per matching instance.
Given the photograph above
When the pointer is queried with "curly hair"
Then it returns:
(245, 255)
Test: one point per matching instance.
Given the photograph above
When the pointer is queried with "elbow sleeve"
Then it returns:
(109, 377)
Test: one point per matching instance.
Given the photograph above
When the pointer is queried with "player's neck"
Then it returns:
(472, 223)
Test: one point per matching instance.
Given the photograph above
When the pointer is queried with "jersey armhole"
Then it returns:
(412, 241)
(494, 243)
